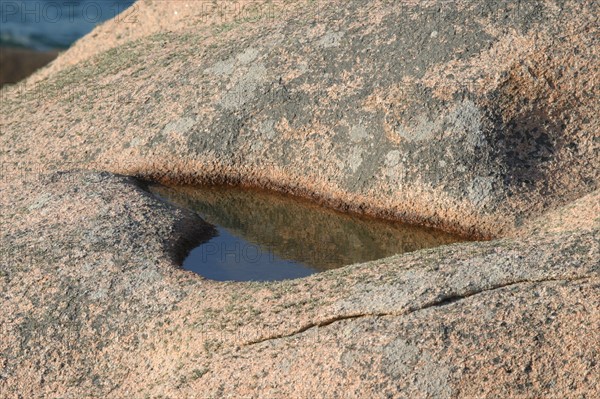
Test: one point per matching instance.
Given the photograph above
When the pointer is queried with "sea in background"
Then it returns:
(44, 25)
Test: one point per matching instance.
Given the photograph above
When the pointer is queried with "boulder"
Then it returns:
(475, 117)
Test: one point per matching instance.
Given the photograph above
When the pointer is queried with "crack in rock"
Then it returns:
(443, 301)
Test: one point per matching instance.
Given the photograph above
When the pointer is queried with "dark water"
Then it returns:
(55, 24)
(263, 236)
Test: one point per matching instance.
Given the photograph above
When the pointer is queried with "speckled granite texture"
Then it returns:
(477, 117)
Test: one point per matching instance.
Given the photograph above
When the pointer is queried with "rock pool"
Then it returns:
(266, 236)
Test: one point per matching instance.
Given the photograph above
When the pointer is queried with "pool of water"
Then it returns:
(265, 236)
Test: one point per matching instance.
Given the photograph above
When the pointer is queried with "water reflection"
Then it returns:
(267, 236)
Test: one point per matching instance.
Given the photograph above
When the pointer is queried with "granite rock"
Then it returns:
(475, 117)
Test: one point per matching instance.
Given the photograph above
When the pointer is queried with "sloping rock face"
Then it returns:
(472, 116)
(463, 115)
(94, 305)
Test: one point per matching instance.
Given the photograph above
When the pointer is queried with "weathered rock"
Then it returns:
(93, 304)
(460, 115)
(473, 116)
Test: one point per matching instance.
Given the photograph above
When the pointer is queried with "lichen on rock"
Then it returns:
(474, 117)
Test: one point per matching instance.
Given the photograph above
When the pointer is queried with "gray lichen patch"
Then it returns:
(331, 39)
(244, 90)
(358, 133)
(248, 56)
(180, 126)
(221, 68)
